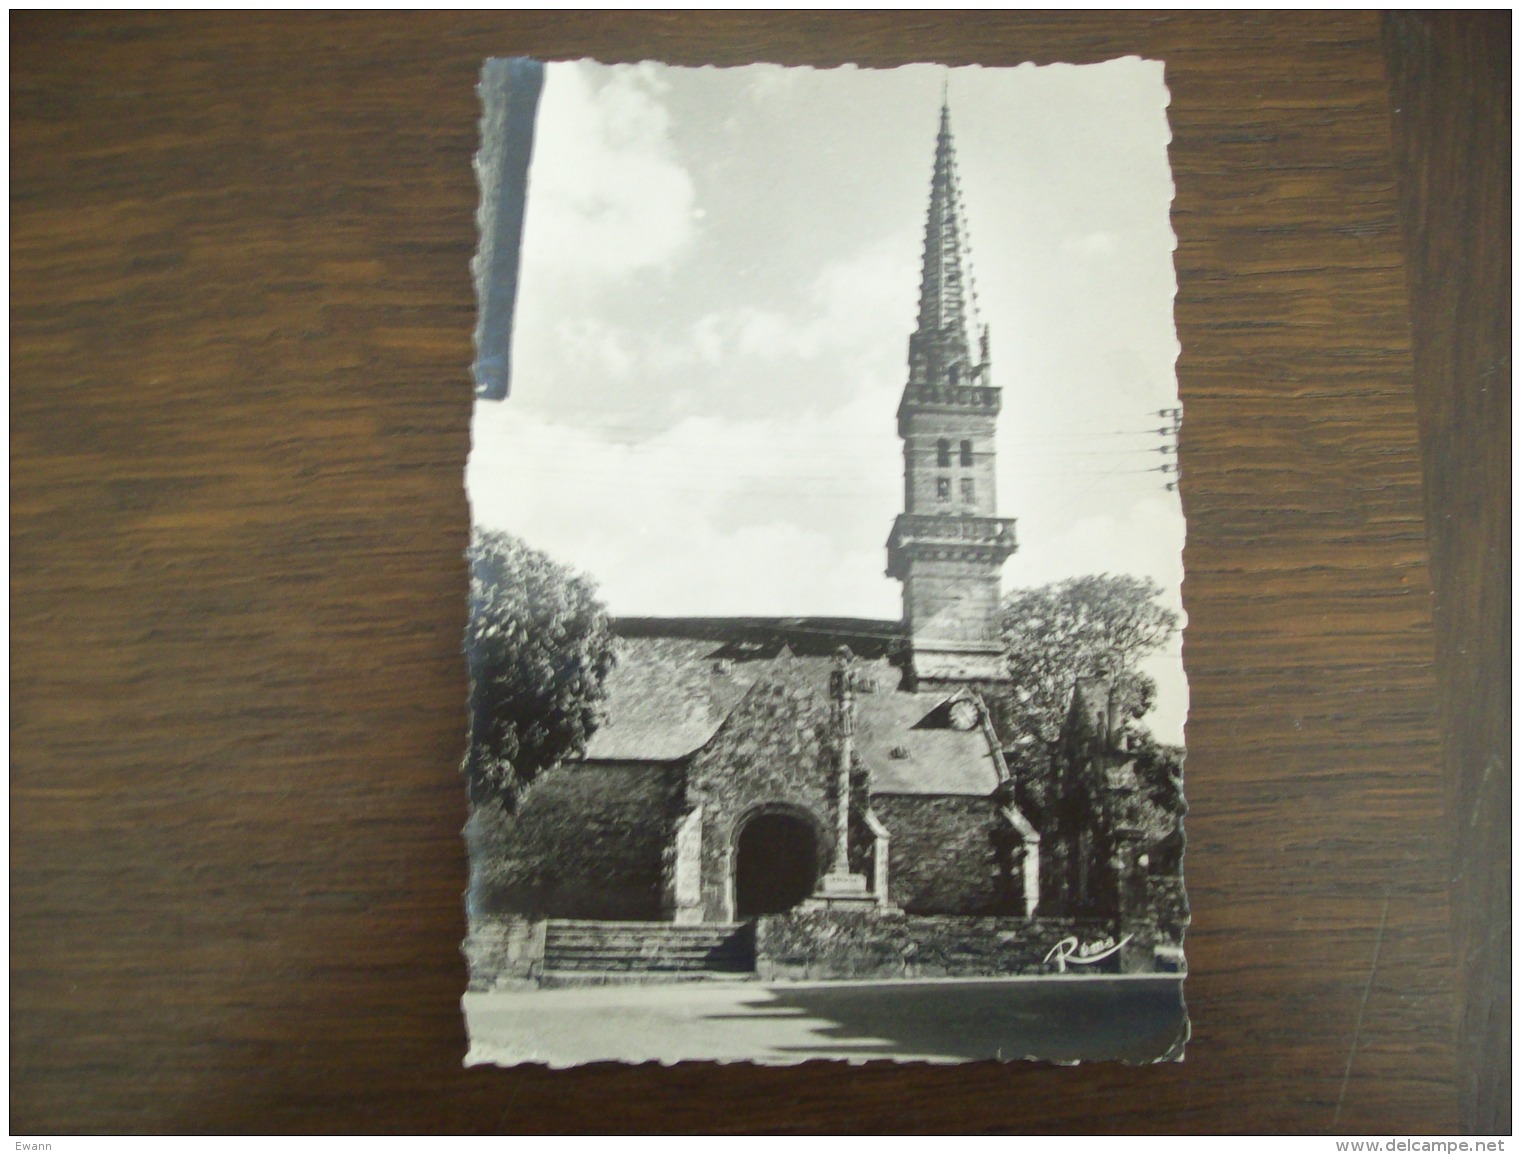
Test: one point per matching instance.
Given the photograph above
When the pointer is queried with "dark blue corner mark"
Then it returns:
(493, 355)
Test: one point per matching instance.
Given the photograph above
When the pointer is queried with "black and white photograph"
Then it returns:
(826, 631)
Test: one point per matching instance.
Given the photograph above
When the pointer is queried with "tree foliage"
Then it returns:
(540, 646)
(1159, 769)
(1076, 628)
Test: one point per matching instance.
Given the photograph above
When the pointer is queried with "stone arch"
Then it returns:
(777, 853)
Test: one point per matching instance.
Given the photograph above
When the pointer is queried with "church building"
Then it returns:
(750, 767)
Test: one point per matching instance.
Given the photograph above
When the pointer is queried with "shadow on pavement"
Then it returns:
(1133, 1020)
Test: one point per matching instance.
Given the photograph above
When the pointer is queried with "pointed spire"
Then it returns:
(943, 338)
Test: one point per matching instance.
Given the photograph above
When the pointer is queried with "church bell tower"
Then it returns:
(948, 545)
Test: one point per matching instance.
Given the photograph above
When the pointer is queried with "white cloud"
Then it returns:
(607, 195)
(770, 81)
(1091, 245)
(859, 304)
(591, 347)
(711, 516)
(1141, 536)
(842, 333)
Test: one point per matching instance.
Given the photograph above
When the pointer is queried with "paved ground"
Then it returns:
(1137, 1018)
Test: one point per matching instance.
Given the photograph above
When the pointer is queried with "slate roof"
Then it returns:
(672, 688)
(667, 696)
(932, 760)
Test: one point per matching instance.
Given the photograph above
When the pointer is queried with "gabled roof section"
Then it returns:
(677, 679)
(940, 718)
(666, 697)
(906, 750)
(748, 637)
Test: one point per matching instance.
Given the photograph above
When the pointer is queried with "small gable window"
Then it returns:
(943, 488)
(966, 453)
(943, 453)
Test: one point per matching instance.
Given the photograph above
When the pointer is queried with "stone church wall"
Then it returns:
(772, 753)
(944, 857)
(953, 600)
(587, 841)
(814, 946)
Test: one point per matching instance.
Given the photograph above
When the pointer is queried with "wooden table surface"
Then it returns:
(241, 317)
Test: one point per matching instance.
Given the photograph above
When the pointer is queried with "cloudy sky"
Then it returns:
(719, 276)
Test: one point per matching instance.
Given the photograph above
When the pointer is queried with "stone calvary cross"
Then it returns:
(841, 888)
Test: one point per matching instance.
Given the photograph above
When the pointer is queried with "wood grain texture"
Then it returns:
(1450, 79)
(241, 317)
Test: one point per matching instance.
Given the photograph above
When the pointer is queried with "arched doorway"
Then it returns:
(775, 864)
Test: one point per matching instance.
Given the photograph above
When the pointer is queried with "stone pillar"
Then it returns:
(881, 852)
(687, 871)
(1030, 869)
(1029, 866)
(842, 688)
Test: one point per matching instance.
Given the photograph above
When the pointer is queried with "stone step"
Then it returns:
(633, 948)
(567, 978)
(665, 935)
(633, 944)
(647, 946)
(649, 932)
(649, 951)
(608, 963)
(647, 925)
(636, 936)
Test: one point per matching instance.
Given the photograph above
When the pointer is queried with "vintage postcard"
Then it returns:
(825, 623)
